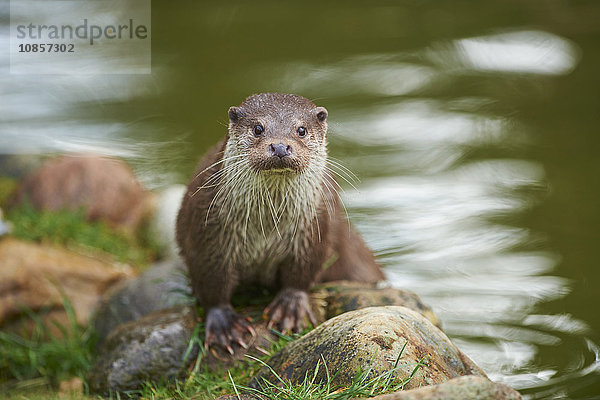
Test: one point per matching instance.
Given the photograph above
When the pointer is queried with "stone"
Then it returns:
(37, 276)
(4, 226)
(163, 285)
(19, 165)
(462, 388)
(152, 348)
(71, 387)
(162, 224)
(105, 188)
(372, 338)
(344, 296)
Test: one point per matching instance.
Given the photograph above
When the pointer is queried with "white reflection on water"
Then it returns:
(525, 52)
(442, 239)
(534, 52)
(57, 113)
(382, 74)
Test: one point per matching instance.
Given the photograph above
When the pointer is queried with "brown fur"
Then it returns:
(235, 236)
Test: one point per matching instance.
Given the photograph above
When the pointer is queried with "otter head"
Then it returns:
(279, 133)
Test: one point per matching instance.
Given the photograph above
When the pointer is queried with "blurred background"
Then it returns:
(473, 127)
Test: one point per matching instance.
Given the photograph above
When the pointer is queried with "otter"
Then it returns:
(263, 208)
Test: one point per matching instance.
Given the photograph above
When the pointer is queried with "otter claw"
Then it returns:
(226, 329)
(289, 311)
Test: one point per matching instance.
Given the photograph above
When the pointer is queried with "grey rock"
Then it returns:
(372, 338)
(19, 165)
(163, 285)
(463, 388)
(152, 348)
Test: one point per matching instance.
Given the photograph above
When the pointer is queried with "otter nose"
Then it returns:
(280, 150)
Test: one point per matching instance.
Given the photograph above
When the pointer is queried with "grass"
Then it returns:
(203, 383)
(70, 228)
(42, 359)
(31, 368)
(364, 385)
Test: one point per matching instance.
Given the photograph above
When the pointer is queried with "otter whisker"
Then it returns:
(332, 179)
(223, 190)
(235, 183)
(331, 188)
(349, 174)
(215, 177)
(260, 217)
(225, 159)
(272, 208)
(326, 201)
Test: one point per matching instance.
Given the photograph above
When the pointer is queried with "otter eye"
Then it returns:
(302, 131)
(258, 130)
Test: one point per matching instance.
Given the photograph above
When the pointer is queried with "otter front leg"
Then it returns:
(223, 326)
(289, 310)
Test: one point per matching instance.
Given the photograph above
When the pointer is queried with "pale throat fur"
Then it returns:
(267, 215)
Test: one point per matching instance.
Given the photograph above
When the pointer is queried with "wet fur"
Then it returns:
(240, 223)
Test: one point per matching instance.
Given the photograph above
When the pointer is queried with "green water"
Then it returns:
(473, 127)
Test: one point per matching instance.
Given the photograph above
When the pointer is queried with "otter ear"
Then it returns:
(235, 114)
(321, 113)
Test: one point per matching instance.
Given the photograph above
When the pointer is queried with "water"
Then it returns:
(472, 127)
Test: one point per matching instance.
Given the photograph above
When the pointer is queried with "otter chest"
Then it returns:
(257, 256)
(266, 220)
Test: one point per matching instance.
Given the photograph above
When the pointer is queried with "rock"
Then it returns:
(37, 276)
(19, 165)
(4, 227)
(71, 387)
(372, 338)
(152, 348)
(463, 388)
(105, 188)
(163, 220)
(344, 296)
(161, 286)
(164, 284)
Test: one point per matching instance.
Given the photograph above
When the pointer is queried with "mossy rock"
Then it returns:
(344, 296)
(372, 339)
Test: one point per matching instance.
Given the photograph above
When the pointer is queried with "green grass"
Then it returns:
(43, 359)
(32, 368)
(364, 384)
(204, 383)
(70, 228)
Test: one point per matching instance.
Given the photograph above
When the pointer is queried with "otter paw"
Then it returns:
(226, 328)
(289, 310)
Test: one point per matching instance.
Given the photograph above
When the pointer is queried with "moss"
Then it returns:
(7, 186)
(70, 228)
